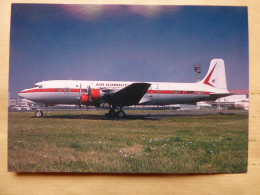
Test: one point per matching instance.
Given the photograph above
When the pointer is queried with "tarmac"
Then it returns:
(150, 116)
(145, 115)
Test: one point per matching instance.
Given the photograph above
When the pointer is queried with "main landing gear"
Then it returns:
(120, 113)
(112, 113)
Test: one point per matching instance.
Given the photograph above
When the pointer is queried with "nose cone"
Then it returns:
(27, 94)
(22, 94)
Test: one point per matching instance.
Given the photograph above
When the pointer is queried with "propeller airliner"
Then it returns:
(119, 94)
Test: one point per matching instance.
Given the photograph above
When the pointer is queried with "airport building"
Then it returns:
(12, 102)
(239, 100)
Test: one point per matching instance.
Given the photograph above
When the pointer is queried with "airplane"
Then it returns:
(119, 94)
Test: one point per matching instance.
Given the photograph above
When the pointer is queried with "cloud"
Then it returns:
(150, 11)
(85, 12)
(93, 12)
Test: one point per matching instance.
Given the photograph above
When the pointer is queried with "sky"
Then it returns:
(125, 43)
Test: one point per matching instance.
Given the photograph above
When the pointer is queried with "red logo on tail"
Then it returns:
(208, 77)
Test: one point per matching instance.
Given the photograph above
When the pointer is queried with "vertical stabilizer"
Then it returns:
(216, 76)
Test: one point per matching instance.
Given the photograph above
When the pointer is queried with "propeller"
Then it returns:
(89, 93)
(80, 96)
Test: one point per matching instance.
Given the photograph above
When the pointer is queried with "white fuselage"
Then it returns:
(159, 93)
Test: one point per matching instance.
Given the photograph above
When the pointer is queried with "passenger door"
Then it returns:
(154, 93)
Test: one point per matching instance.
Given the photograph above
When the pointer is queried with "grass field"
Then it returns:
(70, 141)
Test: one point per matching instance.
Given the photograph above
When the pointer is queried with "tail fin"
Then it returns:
(216, 76)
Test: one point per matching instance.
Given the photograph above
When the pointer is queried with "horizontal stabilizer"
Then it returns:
(219, 95)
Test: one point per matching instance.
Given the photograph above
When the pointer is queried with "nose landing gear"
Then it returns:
(38, 114)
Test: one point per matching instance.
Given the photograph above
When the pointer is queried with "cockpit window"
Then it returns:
(37, 86)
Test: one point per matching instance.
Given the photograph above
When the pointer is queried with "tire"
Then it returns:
(120, 114)
(112, 113)
(38, 114)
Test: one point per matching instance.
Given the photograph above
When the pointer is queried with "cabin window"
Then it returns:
(191, 92)
(85, 90)
(59, 90)
(76, 85)
(66, 90)
(181, 92)
(40, 86)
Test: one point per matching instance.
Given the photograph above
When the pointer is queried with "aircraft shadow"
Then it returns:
(102, 117)
(141, 116)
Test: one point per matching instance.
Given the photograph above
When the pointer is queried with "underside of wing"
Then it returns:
(128, 96)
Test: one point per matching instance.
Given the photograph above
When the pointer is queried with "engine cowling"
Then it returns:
(85, 99)
(94, 95)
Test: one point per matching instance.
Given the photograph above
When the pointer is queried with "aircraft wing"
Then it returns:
(129, 95)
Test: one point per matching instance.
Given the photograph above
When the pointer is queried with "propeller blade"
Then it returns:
(89, 93)
(89, 90)
(80, 96)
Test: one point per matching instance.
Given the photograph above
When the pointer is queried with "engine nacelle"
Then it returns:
(89, 98)
(95, 94)
(85, 99)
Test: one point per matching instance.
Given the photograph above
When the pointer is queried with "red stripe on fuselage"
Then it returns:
(40, 90)
(51, 90)
(82, 90)
(161, 91)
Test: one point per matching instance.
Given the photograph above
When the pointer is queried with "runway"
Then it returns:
(134, 114)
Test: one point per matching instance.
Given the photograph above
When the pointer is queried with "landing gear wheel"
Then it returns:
(112, 113)
(38, 113)
(120, 114)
